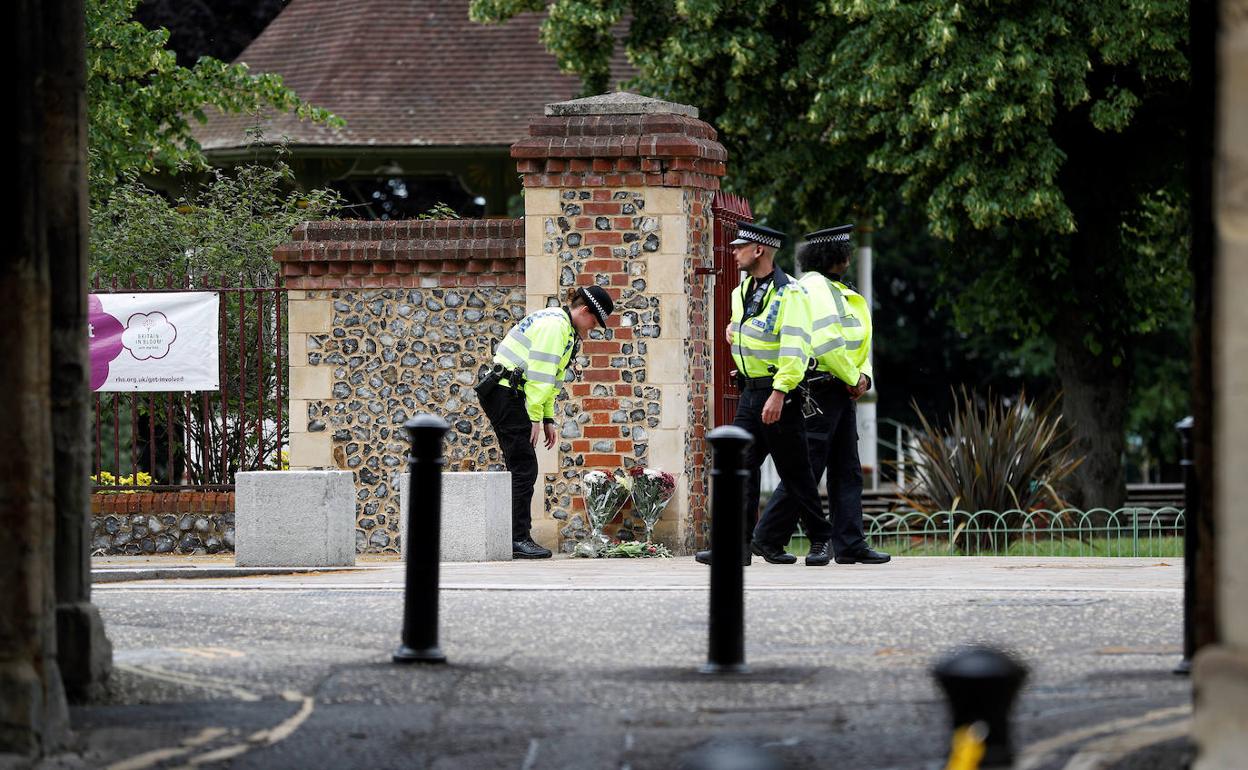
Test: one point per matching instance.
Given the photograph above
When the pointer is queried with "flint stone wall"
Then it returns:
(157, 523)
(366, 356)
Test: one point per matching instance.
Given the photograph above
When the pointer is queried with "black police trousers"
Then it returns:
(832, 445)
(505, 409)
(785, 441)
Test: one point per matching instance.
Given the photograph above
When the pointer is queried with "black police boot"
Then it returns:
(527, 549)
(820, 554)
(704, 557)
(772, 554)
(863, 555)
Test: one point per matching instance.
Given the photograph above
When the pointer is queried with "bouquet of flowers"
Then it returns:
(652, 490)
(605, 494)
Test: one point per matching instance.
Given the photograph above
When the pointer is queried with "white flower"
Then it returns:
(652, 473)
(595, 477)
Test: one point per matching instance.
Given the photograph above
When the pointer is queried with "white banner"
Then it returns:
(164, 341)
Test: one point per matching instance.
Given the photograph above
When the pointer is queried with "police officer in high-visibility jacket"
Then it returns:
(769, 336)
(841, 373)
(518, 394)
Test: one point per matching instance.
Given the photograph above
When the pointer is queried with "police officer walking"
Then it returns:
(769, 335)
(518, 395)
(841, 347)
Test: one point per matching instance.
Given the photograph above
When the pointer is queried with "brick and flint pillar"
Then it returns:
(618, 192)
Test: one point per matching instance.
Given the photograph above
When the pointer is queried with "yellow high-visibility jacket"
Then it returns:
(856, 328)
(540, 346)
(773, 343)
(827, 338)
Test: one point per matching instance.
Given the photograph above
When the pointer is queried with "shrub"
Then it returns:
(1010, 458)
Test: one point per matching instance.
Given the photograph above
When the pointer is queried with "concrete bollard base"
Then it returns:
(294, 519)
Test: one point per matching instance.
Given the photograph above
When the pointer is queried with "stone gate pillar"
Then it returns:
(618, 192)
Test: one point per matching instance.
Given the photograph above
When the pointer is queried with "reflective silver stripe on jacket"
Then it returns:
(830, 345)
(749, 330)
(827, 320)
(512, 356)
(795, 331)
(549, 379)
(549, 358)
(520, 337)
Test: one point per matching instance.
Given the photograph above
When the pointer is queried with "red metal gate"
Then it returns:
(199, 440)
(727, 210)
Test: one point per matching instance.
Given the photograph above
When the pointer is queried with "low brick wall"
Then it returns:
(162, 522)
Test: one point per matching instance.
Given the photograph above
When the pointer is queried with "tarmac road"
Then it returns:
(579, 664)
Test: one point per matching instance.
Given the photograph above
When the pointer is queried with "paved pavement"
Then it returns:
(594, 664)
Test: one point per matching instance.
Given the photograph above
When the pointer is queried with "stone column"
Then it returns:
(83, 650)
(1220, 670)
(618, 193)
(33, 714)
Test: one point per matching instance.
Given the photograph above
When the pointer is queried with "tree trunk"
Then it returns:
(1094, 406)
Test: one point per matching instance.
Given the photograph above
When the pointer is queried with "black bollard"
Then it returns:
(726, 654)
(980, 684)
(1191, 506)
(424, 542)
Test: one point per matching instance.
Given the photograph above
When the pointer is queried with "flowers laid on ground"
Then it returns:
(652, 490)
(605, 494)
(633, 549)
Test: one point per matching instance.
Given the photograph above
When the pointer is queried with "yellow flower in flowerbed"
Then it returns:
(106, 479)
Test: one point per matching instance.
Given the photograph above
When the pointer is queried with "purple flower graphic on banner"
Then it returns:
(104, 336)
(148, 335)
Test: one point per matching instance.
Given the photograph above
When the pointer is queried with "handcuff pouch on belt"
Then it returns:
(515, 380)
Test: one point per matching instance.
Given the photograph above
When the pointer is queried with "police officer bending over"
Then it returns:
(518, 395)
(769, 336)
(841, 373)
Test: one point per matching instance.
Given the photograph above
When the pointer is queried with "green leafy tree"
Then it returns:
(1043, 141)
(228, 225)
(141, 103)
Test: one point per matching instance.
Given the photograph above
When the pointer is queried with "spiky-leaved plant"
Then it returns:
(1006, 458)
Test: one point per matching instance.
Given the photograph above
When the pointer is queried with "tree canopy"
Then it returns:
(141, 103)
(1044, 142)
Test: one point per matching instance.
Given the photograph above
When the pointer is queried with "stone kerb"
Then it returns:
(294, 519)
(618, 193)
(476, 516)
(387, 320)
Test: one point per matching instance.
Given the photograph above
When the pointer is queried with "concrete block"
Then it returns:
(667, 361)
(294, 519)
(310, 316)
(665, 200)
(675, 230)
(298, 416)
(541, 273)
(541, 200)
(297, 348)
(476, 515)
(674, 317)
(311, 450)
(667, 273)
(311, 382)
(674, 405)
(1220, 723)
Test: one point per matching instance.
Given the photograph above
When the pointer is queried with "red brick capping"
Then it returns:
(405, 253)
(658, 150)
(105, 503)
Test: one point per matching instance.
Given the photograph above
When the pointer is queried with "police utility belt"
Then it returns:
(500, 376)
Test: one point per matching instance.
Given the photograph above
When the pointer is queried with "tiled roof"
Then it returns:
(410, 72)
